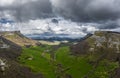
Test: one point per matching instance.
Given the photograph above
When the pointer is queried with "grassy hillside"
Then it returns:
(90, 58)
(64, 65)
(10, 49)
(18, 38)
(95, 56)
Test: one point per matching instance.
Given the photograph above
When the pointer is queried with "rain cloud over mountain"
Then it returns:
(79, 16)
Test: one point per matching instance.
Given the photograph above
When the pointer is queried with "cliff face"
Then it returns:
(106, 40)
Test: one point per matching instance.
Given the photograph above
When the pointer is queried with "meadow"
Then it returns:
(60, 63)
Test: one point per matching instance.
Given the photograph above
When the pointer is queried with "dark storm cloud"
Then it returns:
(88, 10)
(104, 12)
(28, 10)
(94, 11)
(109, 25)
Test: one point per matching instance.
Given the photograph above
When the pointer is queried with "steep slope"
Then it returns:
(18, 38)
(9, 49)
(9, 53)
(101, 48)
(107, 41)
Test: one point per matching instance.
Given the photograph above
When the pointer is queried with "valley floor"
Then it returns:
(58, 62)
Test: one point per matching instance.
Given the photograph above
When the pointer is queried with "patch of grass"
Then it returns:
(78, 66)
(39, 63)
(63, 64)
(103, 69)
(43, 64)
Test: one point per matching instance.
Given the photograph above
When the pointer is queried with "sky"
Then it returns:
(72, 17)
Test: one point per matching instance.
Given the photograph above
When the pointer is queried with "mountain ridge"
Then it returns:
(102, 45)
(9, 53)
(18, 38)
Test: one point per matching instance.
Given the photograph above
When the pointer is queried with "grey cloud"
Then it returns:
(76, 10)
(88, 10)
(109, 25)
(96, 11)
(29, 10)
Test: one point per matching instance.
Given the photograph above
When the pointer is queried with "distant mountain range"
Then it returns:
(52, 37)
